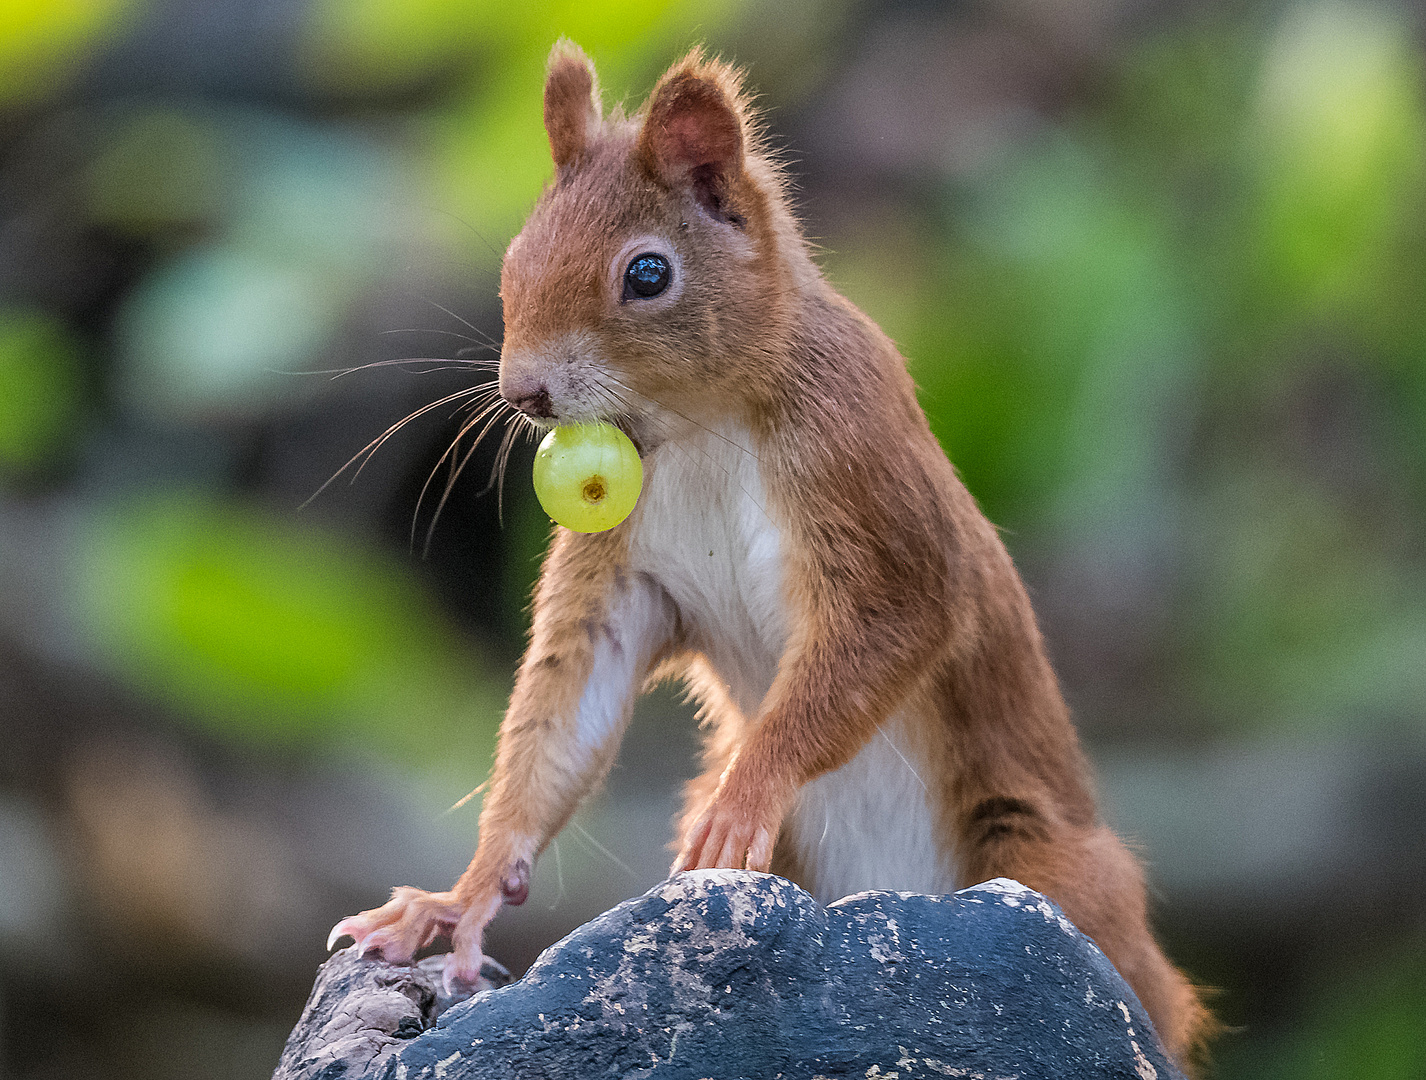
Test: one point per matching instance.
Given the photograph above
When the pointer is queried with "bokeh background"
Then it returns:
(1159, 271)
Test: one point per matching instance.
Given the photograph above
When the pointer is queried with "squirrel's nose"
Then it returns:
(535, 402)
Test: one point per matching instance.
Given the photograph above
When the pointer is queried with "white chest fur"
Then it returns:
(869, 824)
(705, 534)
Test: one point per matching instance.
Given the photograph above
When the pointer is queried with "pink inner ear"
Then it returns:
(701, 137)
(693, 139)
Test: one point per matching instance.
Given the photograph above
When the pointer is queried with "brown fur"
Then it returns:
(899, 593)
(572, 111)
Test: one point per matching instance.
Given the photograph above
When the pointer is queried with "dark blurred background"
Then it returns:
(1159, 271)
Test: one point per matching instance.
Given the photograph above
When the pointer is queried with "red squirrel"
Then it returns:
(880, 710)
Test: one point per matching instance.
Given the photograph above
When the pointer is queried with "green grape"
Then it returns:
(588, 476)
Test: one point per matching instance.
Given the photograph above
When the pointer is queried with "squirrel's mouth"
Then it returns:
(637, 433)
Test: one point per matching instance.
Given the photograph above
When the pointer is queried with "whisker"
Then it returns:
(573, 824)
(380, 441)
(478, 234)
(521, 426)
(450, 364)
(882, 731)
(493, 407)
(491, 392)
(481, 334)
(559, 874)
(493, 410)
(484, 344)
(366, 452)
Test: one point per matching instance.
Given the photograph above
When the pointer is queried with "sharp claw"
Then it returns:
(412, 919)
(338, 932)
(361, 937)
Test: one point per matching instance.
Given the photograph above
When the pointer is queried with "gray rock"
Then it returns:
(728, 974)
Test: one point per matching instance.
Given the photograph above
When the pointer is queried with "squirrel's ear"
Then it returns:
(571, 101)
(693, 135)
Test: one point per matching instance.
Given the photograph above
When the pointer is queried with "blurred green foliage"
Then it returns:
(39, 39)
(1368, 1025)
(269, 631)
(1122, 317)
(41, 390)
(1176, 323)
(1335, 148)
(158, 168)
(1105, 318)
(1058, 338)
(267, 230)
(1118, 321)
(487, 146)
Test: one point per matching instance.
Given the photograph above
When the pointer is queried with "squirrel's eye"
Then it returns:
(647, 275)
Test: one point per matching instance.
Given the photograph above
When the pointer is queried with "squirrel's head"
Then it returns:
(653, 276)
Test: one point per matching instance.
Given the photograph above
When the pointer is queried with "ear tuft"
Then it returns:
(694, 133)
(572, 112)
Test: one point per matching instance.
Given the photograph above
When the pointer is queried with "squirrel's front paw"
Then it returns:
(726, 840)
(409, 921)
(412, 919)
(735, 832)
